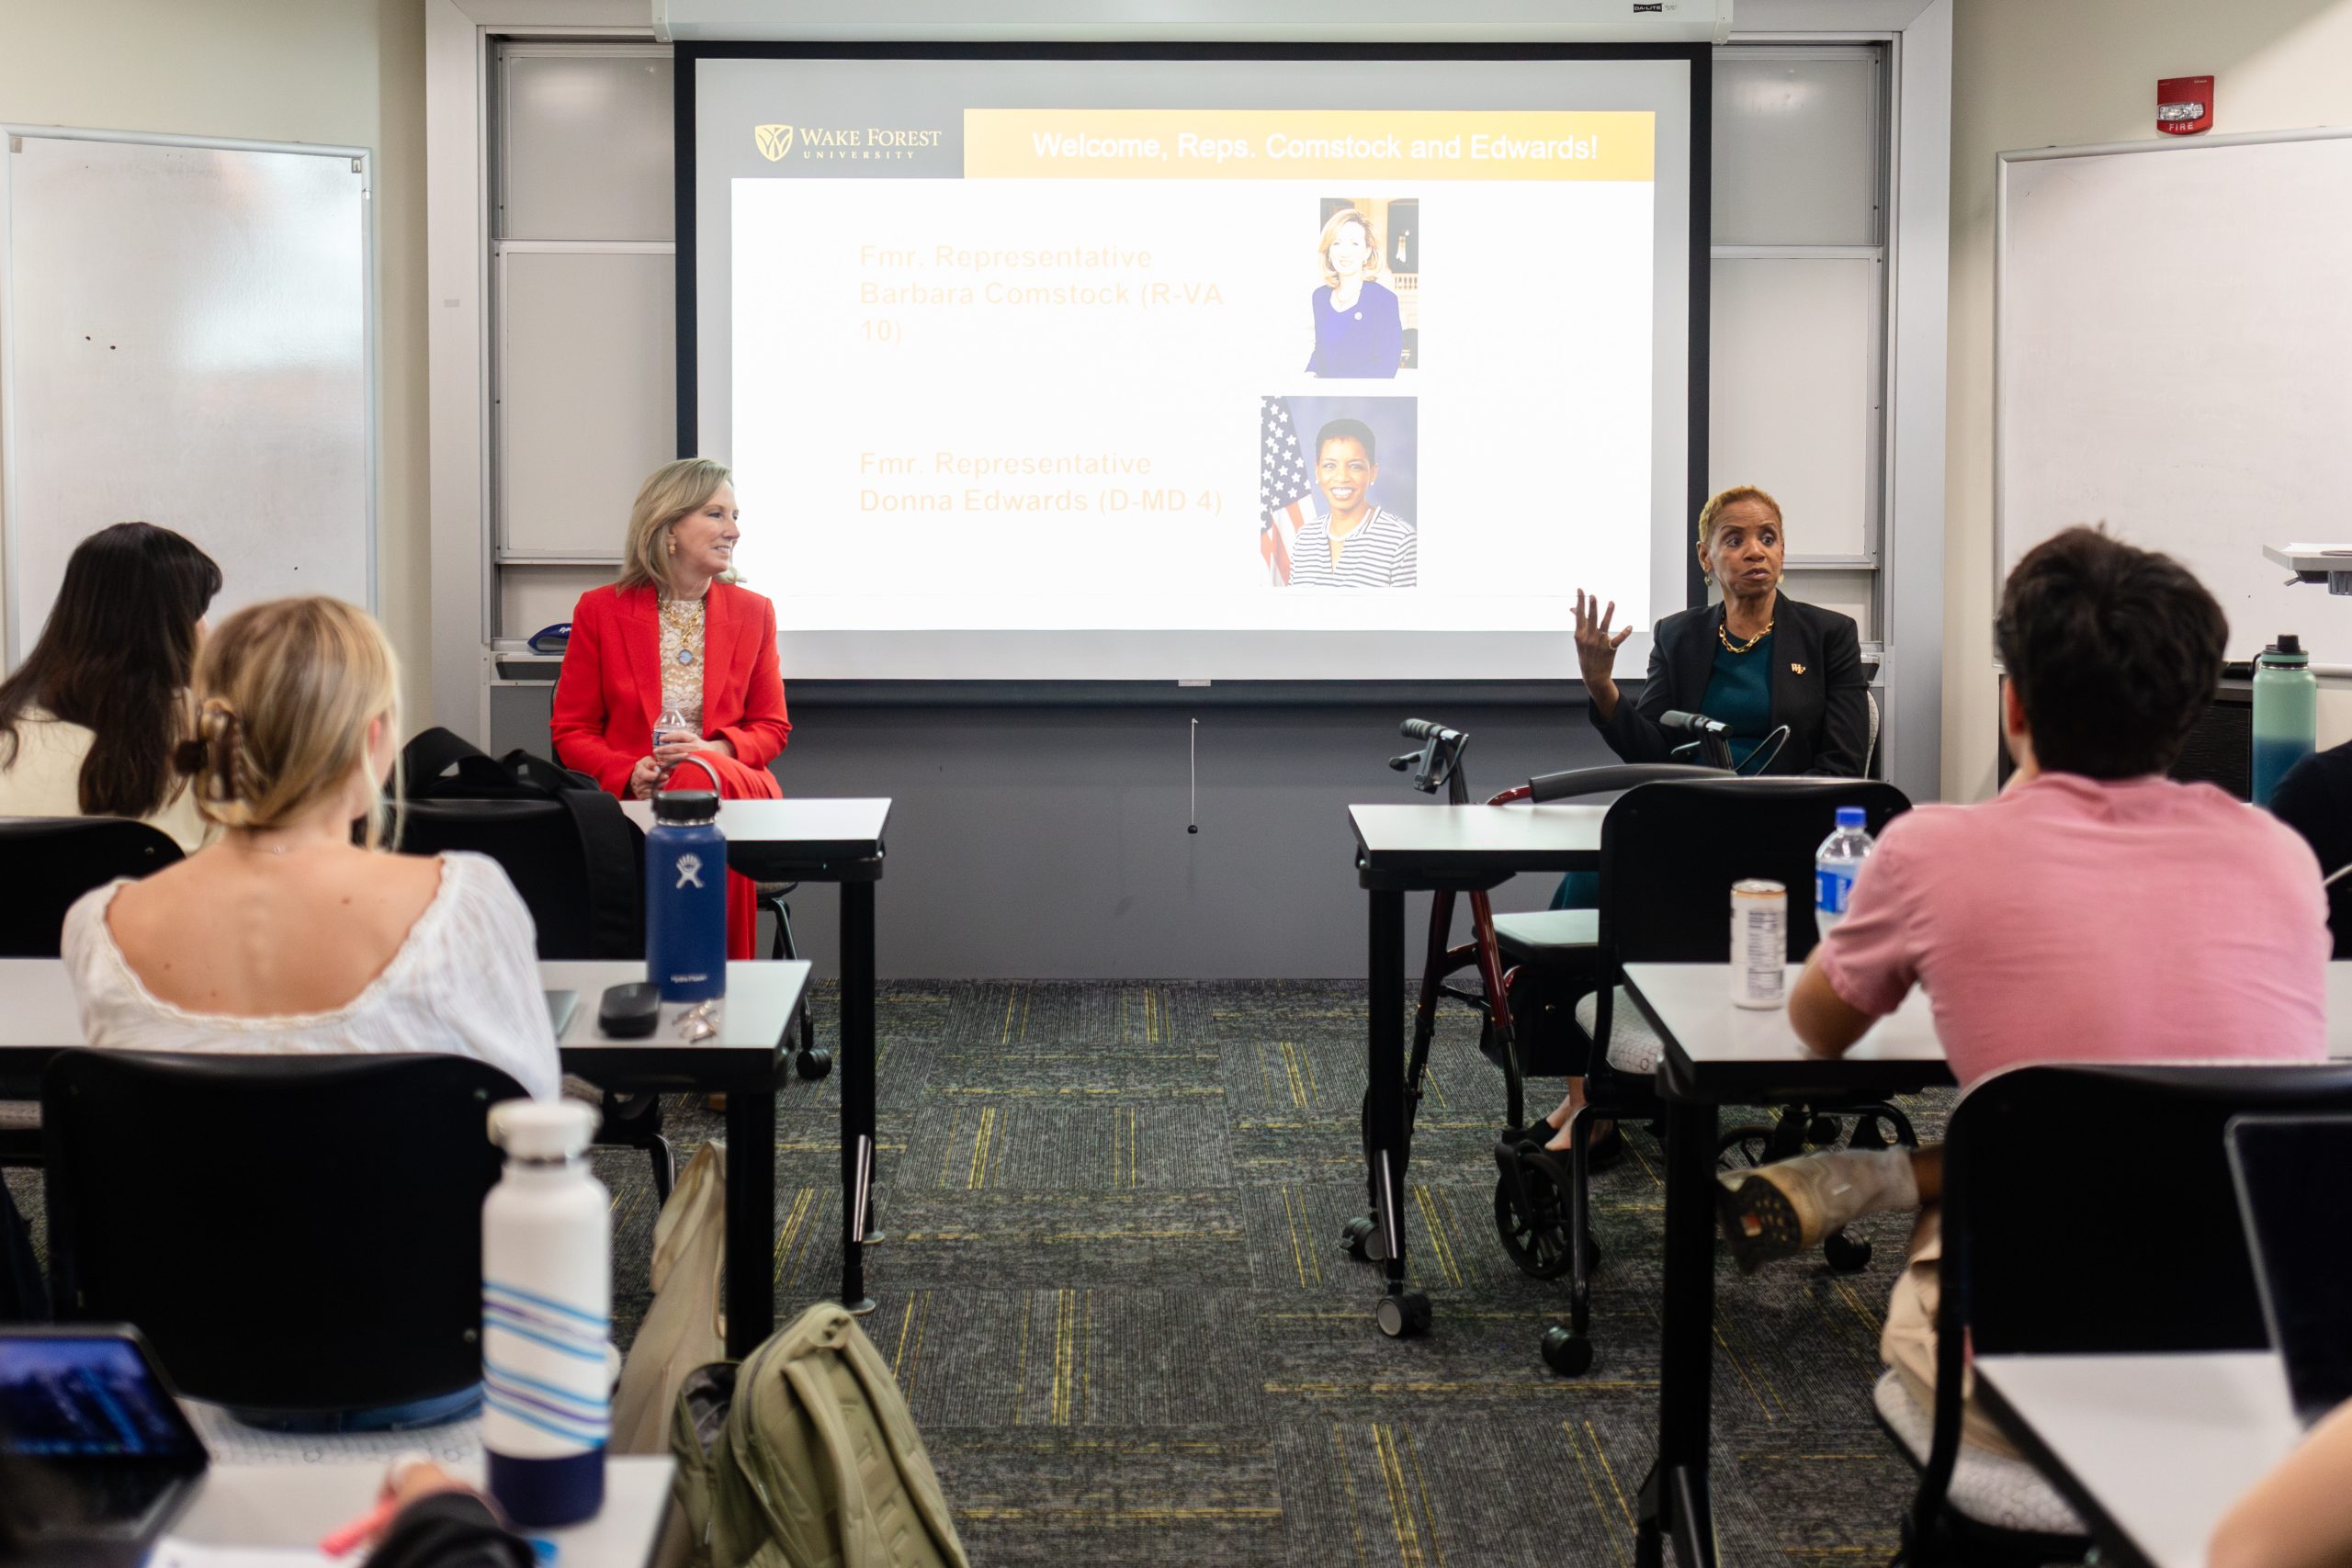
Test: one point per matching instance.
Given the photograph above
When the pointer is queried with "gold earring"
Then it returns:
(673, 544)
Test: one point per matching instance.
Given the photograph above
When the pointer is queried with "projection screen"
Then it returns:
(1192, 366)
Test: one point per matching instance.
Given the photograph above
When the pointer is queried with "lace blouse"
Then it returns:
(682, 634)
(465, 980)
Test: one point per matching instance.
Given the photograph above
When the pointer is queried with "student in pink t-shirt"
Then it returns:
(2096, 911)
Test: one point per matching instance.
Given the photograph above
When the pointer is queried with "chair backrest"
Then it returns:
(2064, 1244)
(1670, 851)
(47, 862)
(290, 1233)
(1610, 779)
(541, 847)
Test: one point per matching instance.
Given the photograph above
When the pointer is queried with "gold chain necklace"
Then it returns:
(1748, 647)
(681, 620)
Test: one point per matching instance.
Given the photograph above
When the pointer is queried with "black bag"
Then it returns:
(578, 868)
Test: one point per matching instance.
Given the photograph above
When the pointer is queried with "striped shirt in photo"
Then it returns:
(1379, 554)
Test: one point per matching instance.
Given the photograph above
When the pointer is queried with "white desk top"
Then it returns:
(1510, 838)
(1693, 1000)
(2163, 1444)
(297, 1505)
(37, 1007)
(838, 825)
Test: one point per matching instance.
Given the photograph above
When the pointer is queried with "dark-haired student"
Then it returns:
(89, 720)
(2054, 924)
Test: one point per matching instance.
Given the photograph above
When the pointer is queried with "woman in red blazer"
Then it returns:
(677, 634)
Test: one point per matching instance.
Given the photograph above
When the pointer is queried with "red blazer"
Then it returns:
(609, 692)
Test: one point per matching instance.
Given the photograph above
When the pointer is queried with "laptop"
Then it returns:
(562, 1004)
(2294, 1176)
(95, 1457)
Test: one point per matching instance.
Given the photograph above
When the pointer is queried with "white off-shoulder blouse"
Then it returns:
(465, 981)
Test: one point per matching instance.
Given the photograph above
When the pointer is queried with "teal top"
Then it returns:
(1740, 692)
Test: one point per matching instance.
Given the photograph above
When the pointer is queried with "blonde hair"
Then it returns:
(1339, 220)
(1711, 513)
(285, 693)
(671, 491)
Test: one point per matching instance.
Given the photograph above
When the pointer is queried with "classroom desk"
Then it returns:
(295, 1506)
(826, 840)
(2150, 1449)
(1402, 849)
(743, 1060)
(1718, 1054)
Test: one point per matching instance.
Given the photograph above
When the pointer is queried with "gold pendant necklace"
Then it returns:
(1748, 647)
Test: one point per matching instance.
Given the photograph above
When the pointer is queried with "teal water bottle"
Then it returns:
(2286, 713)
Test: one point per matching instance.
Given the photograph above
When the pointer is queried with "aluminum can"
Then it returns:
(1760, 943)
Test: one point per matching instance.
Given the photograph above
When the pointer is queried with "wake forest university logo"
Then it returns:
(805, 143)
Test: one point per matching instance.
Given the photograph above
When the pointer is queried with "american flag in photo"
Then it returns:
(1283, 481)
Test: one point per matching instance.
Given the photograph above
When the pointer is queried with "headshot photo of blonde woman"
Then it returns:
(1359, 322)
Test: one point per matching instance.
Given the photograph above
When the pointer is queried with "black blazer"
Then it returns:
(1817, 689)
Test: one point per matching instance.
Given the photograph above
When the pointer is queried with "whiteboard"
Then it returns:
(186, 339)
(2173, 355)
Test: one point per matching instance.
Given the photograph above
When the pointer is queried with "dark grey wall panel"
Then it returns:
(1033, 842)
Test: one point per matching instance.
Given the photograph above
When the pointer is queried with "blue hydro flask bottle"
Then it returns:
(685, 896)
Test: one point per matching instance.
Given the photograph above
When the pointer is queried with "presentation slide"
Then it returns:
(1055, 369)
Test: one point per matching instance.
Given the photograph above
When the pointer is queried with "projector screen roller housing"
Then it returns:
(1172, 367)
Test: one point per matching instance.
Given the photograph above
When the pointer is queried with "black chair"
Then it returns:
(1669, 853)
(2054, 1242)
(217, 1202)
(49, 862)
(537, 844)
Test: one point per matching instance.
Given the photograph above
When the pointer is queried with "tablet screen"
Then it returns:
(69, 1397)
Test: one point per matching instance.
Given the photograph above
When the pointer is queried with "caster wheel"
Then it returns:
(1846, 1255)
(1403, 1316)
(813, 1065)
(1570, 1355)
(1823, 1130)
(1537, 1242)
(1359, 1238)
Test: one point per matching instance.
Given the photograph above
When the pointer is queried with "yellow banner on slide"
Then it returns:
(1309, 144)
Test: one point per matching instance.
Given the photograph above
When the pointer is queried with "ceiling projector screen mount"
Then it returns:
(1162, 362)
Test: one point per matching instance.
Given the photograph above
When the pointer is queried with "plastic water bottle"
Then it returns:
(546, 1250)
(2286, 713)
(685, 896)
(1835, 865)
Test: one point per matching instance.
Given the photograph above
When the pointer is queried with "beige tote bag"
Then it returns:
(684, 1328)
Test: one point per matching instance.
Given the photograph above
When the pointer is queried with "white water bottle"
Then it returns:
(1836, 864)
(547, 1248)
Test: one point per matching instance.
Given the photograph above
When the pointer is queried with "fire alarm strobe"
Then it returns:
(2185, 105)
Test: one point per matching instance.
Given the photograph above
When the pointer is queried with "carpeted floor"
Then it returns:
(1112, 1291)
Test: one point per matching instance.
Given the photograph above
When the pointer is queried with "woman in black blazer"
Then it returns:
(1756, 660)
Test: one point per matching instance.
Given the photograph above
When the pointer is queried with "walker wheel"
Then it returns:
(1537, 1242)
(1359, 1238)
(1402, 1317)
(1844, 1254)
(1570, 1355)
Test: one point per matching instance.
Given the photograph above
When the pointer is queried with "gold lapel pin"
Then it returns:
(1796, 669)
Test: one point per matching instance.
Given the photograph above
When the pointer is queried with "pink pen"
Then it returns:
(342, 1540)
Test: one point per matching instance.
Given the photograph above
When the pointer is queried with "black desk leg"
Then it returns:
(857, 1089)
(1400, 1312)
(1675, 1496)
(751, 1214)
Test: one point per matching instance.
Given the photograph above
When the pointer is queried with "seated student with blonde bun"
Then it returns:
(282, 935)
(89, 720)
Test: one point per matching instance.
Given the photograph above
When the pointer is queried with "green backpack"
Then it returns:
(802, 1455)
